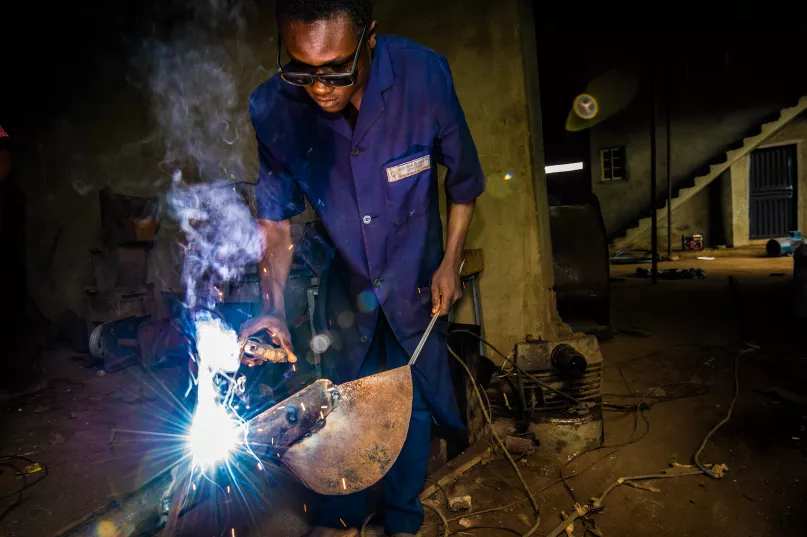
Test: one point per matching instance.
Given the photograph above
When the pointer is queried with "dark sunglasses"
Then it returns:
(334, 80)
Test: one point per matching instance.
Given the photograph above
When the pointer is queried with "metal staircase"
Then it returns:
(639, 236)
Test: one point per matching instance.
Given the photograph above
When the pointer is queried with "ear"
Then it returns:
(371, 34)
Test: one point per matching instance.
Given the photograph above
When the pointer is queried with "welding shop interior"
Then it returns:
(625, 356)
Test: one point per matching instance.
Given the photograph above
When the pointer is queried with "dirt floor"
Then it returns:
(79, 424)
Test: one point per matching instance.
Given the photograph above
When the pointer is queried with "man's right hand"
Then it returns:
(277, 329)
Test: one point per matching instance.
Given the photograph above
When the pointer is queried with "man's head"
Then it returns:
(322, 36)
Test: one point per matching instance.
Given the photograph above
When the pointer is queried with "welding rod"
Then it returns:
(429, 328)
(425, 336)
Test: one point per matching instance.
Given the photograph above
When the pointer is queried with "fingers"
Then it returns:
(282, 338)
(448, 300)
(436, 298)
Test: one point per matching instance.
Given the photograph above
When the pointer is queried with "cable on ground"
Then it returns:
(13, 462)
(501, 445)
(696, 458)
(597, 503)
(529, 375)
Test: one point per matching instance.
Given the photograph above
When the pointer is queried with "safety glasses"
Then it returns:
(334, 80)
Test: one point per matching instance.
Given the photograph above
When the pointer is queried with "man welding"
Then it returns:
(356, 123)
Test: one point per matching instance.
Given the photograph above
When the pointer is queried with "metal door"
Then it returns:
(772, 193)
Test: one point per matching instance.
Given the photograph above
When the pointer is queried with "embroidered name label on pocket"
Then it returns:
(408, 169)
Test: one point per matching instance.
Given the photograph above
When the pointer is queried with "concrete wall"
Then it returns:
(725, 204)
(720, 86)
(108, 139)
(736, 203)
(695, 141)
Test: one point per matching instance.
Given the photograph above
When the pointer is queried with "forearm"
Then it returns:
(459, 220)
(274, 265)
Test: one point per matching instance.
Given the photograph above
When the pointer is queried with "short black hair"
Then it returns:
(308, 11)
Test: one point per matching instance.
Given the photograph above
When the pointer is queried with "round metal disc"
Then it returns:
(361, 438)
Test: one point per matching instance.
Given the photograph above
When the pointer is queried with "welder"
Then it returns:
(356, 123)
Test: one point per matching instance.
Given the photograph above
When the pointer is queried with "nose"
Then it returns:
(320, 89)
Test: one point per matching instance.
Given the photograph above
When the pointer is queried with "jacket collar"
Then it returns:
(372, 103)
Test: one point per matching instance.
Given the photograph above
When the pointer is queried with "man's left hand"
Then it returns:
(446, 288)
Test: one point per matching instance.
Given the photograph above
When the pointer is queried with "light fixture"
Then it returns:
(558, 168)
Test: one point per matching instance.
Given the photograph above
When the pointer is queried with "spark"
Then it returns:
(508, 176)
(294, 368)
(324, 406)
(343, 522)
(344, 484)
(321, 415)
(260, 466)
(291, 246)
(264, 270)
(233, 532)
(194, 486)
(273, 440)
(302, 405)
(305, 508)
(228, 489)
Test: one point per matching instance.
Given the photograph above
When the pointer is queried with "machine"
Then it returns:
(560, 397)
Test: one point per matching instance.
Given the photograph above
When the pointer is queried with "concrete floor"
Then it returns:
(692, 331)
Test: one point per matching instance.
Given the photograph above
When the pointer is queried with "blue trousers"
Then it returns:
(401, 509)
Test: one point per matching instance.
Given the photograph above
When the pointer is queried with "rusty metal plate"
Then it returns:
(362, 437)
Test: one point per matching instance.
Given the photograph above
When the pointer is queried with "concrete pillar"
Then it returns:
(485, 43)
(739, 202)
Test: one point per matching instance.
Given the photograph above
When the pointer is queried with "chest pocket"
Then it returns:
(408, 180)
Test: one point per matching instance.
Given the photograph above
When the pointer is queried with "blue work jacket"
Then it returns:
(375, 190)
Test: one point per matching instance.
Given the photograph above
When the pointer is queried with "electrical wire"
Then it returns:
(9, 462)
(722, 422)
(440, 488)
(501, 528)
(597, 502)
(534, 528)
(529, 375)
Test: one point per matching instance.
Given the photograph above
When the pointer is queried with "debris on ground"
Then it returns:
(673, 274)
(32, 468)
(459, 503)
(519, 444)
(719, 470)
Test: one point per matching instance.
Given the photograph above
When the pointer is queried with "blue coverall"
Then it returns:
(375, 190)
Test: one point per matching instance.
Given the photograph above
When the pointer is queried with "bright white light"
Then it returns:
(558, 168)
(214, 432)
(217, 345)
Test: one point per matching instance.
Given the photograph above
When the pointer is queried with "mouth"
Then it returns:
(326, 103)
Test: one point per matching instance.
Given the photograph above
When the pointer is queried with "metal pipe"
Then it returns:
(653, 193)
(669, 166)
